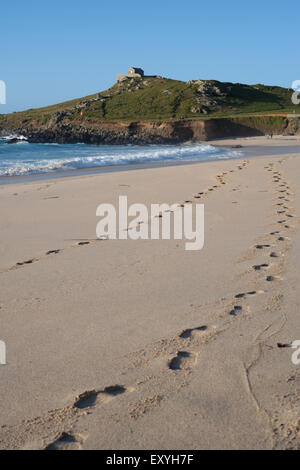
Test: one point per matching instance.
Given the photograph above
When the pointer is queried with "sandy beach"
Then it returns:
(123, 344)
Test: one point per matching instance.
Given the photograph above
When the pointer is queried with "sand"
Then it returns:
(122, 344)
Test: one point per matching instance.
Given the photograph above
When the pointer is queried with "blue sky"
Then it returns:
(57, 50)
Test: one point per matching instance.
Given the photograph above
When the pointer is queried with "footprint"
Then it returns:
(274, 254)
(93, 397)
(259, 267)
(183, 361)
(52, 252)
(86, 399)
(245, 294)
(193, 332)
(272, 278)
(240, 296)
(235, 310)
(67, 441)
(30, 261)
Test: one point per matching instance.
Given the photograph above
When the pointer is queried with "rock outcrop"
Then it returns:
(293, 126)
(60, 130)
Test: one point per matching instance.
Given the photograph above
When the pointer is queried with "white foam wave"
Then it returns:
(112, 155)
(13, 136)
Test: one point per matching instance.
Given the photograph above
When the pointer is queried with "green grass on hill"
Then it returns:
(159, 99)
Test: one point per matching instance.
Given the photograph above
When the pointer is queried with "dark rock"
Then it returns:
(15, 140)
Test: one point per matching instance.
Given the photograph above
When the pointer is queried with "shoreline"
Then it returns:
(251, 147)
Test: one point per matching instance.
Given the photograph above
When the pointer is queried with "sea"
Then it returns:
(23, 158)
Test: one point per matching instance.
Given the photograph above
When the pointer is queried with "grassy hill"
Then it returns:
(161, 99)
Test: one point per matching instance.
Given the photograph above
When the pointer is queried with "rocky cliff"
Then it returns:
(168, 132)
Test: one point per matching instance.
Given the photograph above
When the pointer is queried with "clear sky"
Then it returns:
(56, 50)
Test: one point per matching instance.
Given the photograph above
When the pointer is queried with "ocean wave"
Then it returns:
(13, 136)
(72, 157)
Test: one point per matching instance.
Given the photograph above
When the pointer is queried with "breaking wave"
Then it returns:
(16, 159)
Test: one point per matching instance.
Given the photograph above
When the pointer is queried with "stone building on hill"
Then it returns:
(133, 72)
